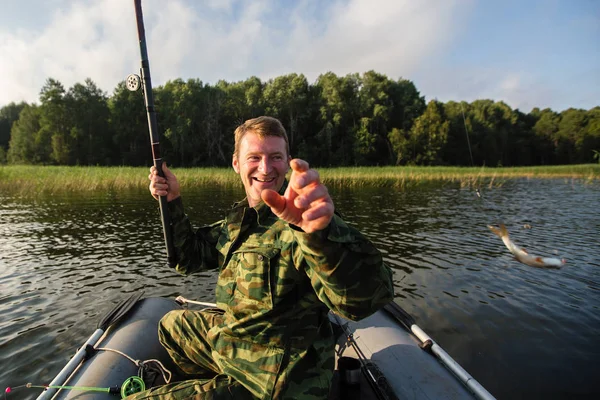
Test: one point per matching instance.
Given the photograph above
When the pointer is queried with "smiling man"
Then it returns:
(262, 160)
(285, 259)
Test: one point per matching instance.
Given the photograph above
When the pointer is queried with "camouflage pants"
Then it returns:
(183, 334)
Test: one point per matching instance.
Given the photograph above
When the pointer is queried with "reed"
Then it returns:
(466, 176)
(31, 180)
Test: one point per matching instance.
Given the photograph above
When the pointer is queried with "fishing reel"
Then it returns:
(132, 385)
(133, 82)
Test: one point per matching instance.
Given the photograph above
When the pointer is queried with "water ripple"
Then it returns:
(520, 331)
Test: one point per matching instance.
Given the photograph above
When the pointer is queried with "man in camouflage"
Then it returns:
(285, 260)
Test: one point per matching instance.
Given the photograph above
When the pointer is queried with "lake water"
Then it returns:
(522, 332)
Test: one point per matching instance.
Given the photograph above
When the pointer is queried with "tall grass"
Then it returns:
(31, 180)
(407, 176)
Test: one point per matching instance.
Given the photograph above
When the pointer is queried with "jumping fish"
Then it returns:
(522, 255)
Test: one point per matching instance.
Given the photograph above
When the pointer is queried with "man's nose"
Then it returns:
(265, 165)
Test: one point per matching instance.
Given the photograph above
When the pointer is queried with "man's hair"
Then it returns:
(262, 126)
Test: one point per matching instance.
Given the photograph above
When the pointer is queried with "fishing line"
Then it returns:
(467, 134)
(477, 191)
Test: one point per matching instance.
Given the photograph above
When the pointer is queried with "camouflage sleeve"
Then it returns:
(346, 271)
(195, 251)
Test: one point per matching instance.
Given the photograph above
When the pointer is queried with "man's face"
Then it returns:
(262, 164)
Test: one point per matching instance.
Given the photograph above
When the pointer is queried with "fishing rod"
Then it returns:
(111, 319)
(133, 83)
(133, 384)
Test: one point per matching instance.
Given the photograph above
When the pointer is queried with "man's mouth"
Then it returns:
(263, 180)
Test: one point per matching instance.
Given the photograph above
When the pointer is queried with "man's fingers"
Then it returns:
(165, 169)
(301, 180)
(273, 200)
(299, 165)
(317, 194)
(318, 211)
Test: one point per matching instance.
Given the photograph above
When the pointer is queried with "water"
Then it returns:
(522, 332)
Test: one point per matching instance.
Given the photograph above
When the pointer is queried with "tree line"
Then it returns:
(349, 120)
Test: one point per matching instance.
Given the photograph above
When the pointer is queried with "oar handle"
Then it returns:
(70, 367)
(410, 324)
(470, 382)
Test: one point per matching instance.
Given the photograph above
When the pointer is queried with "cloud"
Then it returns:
(79, 42)
(230, 40)
(392, 37)
(426, 41)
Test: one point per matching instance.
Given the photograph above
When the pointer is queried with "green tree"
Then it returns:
(286, 98)
(589, 140)
(8, 115)
(336, 99)
(545, 135)
(407, 104)
(179, 117)
(239, 101)
(461, 138)
(428, 135)
(90, 140)
(570, 129)
(22, 147)
(53, 140)
(401, 145)
(129, 125)
(376, 107)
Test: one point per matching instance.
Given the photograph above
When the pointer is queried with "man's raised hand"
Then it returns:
(306, 202)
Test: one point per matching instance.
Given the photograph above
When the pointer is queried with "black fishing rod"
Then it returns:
(133, 84)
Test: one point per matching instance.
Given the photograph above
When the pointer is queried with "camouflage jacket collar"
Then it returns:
(263, 211)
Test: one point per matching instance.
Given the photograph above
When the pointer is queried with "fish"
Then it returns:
(522, 255)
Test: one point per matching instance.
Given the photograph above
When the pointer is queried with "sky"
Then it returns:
(527, 53)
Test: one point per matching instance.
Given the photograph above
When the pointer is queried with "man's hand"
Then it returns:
(305, 203)
(167, 186)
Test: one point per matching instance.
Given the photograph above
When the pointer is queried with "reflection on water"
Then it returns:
(522, 332)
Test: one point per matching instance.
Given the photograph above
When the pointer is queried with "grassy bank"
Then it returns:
(30, 180)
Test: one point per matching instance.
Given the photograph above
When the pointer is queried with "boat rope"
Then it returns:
(146, 365)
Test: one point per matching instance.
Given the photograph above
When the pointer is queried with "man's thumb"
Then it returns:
(165, 170)
(273, 200)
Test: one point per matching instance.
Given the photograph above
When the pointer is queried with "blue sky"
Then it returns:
(527, 53)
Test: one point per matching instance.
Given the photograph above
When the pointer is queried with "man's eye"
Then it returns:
(253, 158)
(277, 158)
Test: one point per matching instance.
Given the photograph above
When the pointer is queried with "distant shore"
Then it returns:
(31, 180)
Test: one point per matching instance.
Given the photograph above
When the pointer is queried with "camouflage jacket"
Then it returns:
(276, 285)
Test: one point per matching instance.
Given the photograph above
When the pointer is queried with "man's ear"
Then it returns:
(236, 164)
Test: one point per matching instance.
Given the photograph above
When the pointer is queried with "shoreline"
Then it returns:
(32, 179)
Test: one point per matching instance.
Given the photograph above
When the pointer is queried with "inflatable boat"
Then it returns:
(384, 356)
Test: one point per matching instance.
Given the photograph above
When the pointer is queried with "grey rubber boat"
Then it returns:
(385, 356)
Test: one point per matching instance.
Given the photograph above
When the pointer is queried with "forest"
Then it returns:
(354, 120)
